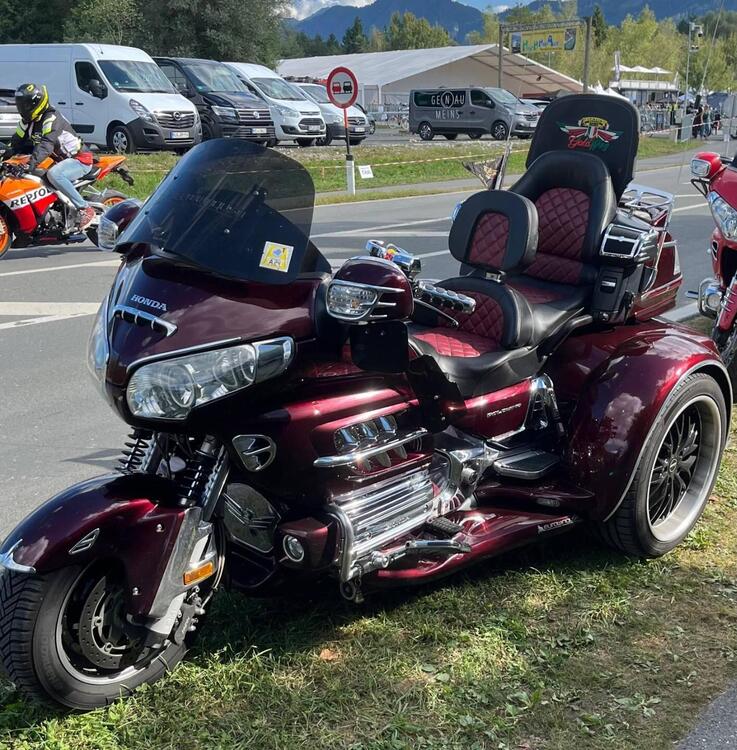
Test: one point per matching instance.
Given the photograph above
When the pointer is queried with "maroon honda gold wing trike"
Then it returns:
(291, 424)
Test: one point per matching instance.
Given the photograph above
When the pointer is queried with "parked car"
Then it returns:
(334, 119)
(473, 111)
(9, 117)
(116, 97)
(227, 108)
(539, 103)
(369, 117)
(296, 117)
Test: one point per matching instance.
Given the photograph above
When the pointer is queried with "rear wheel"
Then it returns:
(326, 141)
(425, 131)
(474, 136)
(120, 140)
(356, 141)
(451, 136)
(6, 236)
(65, 637)
(676, 472)
(499, 131)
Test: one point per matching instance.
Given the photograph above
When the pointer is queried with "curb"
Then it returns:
(682, 313)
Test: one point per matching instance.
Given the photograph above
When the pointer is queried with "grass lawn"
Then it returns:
(559, 646)
(404, 164)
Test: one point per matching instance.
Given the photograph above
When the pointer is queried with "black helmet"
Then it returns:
(32, 101)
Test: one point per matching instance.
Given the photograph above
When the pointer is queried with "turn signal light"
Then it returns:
(205, 570)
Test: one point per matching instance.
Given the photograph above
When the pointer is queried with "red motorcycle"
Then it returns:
(715, 177)
(290, 424)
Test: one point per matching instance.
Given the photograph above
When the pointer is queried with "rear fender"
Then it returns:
(132, 519)
(620, 401)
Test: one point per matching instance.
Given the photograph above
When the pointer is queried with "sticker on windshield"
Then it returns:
(276, 257)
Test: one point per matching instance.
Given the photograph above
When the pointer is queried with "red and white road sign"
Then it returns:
(342, 87)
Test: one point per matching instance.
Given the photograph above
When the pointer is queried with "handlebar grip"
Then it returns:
(440, 297)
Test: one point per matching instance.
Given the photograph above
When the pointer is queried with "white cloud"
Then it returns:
(303, 8)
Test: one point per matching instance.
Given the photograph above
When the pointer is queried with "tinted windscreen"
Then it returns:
(234, 208)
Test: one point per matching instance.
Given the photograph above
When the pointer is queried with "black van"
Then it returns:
(227, 108)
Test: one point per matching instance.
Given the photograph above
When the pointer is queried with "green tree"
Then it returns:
(598, 26)
(107, 21)
(218, 29)
(332, 45)
(33, 22)
(354, 40)
(406, 31)
(489, 33)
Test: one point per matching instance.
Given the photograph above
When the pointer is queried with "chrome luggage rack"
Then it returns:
(648, 203)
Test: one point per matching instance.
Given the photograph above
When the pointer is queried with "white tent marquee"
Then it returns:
(388, 77)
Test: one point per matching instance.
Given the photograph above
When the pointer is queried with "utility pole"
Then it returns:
(499, 61)
(587, 55)
(693, 28)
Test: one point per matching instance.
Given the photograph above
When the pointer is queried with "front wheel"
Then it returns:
(65, 638)
(499, 131)
(675, 474)
(425, 131)
(305, 142)
(6, 236)
(120, 140)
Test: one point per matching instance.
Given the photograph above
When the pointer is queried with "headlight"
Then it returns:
(141, 111)
(333, 117)
(286, 111)
(170, 389)
(724, 216)
(227, 113)
(107, 233)
(98, 351)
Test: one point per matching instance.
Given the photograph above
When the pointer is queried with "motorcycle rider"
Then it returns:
(44, 132)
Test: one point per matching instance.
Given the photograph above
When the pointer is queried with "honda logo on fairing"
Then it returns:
(146, 302)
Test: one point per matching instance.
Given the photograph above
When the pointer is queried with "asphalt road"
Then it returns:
(55, 429)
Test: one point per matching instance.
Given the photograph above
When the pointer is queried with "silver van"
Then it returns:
(473, 111)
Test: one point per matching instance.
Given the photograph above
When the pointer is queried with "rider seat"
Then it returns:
(575, 203)
(494, 232)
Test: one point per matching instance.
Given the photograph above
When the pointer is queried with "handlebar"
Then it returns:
(439, 297)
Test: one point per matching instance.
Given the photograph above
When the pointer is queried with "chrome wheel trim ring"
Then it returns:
(690, 504)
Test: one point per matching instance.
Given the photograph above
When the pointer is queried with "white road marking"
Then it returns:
(36, 321)
(93, 264)
(690, 208)
(48, 308)
(380, 228)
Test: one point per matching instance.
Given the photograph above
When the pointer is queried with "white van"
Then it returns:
(296, 117)
(115, 97)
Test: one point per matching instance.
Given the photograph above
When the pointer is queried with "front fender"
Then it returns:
(130, 518)
(621, 387)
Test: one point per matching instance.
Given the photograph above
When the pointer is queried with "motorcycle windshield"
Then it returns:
(233, 208)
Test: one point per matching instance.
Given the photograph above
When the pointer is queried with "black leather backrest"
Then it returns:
(569, 174)
(495, 231)
(602, 126)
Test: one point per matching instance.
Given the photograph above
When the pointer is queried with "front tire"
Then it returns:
(64, 638)
(499, 131)
(6, 236)
(425, 131)
(675, 474)
(120, 140)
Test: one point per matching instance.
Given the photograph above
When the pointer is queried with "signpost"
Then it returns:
(342, 88)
